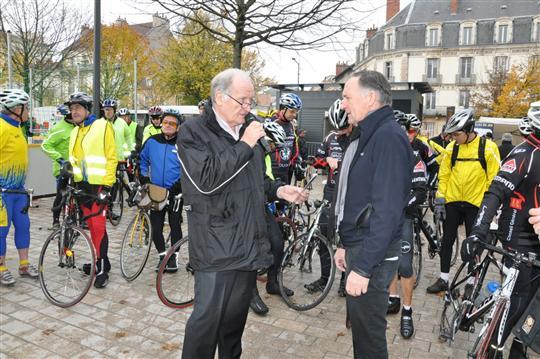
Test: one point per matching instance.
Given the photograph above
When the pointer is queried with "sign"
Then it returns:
(483, 127)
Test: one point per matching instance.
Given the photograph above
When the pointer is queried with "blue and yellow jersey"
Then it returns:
(13, 154)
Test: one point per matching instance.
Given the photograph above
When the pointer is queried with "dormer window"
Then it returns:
(503, 31)
(433, 35)
(389, 39)
(535, 36)
(467, 33)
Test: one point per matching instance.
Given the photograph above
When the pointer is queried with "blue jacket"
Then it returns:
(380, 176)
(159, 162)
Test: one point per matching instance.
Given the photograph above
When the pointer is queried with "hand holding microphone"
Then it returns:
(254, 133)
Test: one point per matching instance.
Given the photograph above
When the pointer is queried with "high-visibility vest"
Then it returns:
(92, 167)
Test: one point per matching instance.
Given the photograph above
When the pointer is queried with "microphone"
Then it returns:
(262, 141)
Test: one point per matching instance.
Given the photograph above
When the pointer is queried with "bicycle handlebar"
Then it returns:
(517, 257)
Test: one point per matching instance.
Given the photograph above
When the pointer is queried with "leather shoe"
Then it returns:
(257, 305)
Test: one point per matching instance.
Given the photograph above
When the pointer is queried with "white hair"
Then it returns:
(223, 81)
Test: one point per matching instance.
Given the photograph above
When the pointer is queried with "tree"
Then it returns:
(281, 23)
(190, 62)
(482, 100)
(41, 31)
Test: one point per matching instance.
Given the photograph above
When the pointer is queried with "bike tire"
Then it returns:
(294, 275)
(136, 246)
(116, 209)
(417, 259)
(176, 290)
(61, 265)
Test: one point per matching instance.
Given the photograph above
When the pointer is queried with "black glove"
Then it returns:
(176, 188)
(439, 209)
(104, 194)
(144, 180)
(470, 247)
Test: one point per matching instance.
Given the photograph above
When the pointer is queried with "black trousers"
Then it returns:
(276, 245)
(61, 183)
(219, 314)
(157, 219)
(367, 312)
(456, 213)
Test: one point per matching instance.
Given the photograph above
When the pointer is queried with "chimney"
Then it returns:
(392, 8)
(370, 32)
(453, 7)
(340, 67)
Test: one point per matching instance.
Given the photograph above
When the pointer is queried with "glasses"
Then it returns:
(170, 123)
(456, 134)
(243, 103)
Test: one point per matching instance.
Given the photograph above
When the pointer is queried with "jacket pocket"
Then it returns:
(224, 243)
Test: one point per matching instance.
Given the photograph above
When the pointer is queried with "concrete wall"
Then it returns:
(40, 176)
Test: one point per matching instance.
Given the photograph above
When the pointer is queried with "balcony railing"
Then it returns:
(460, 80)
(435, 80)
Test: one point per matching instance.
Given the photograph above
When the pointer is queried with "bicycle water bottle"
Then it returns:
(486, 292)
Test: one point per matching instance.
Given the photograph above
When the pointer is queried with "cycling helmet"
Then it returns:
(462, 120)
(63, 110)
(275, 132)
(10, 98)
(414, 121)
(80, 98)
(534, 117)
(123, 112)
(399, 115)
(291, 101)
(110, 102)
(174, 113)
(525, 126)
(337, 116)
(202, 103)
(155, 111)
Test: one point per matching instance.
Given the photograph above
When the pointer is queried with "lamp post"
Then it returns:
(10, 70)
(297, 72)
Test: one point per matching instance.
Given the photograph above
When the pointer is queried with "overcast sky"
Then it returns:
(314, 64)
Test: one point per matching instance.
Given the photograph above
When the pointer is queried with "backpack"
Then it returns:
(481, 154)
(527, 328)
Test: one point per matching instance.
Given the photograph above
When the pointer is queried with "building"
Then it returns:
(451, 44)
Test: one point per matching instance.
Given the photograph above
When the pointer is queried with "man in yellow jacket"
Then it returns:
(92, 153)
(465, 174)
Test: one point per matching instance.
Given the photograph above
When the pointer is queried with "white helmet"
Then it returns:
(525, 126)
(534, 117)
(414, 121)
(337, 116)
(10, 98)
(462, 120)
(275, 132)
(123, 112)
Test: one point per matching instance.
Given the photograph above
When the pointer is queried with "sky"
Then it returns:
(314, 65)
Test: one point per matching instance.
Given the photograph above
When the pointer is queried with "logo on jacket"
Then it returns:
(517, 201)
(420, 167)
(285, 154)
(405, 247)
(509, 166)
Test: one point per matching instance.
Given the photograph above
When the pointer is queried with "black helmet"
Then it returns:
(80, 98)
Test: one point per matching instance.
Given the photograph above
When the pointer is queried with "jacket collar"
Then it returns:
(372, 122)
(209, 118)
(88, 121)
(11, 121)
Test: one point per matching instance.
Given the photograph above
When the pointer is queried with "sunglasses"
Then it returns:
(170, 123)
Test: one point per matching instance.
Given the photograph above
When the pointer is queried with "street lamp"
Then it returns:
(297, 72)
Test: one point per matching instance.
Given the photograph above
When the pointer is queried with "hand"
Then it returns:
(339, 258)
(253, 132)
(356, 284)
(439, 209)
(469, 248)
(332, 162)
(293, 194)
(104, 194)
(535, 219)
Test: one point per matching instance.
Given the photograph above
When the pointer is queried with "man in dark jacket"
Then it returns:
(374, 186)
(224, 188)
(506, 145)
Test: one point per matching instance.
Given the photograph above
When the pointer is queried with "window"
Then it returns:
(433, 37)
(430, 101)
(500, 63)
(464, 96)
(538, 31)
(432, 68)
(503, 34)
(467, 35)
(389, 41)
(388, 70)
(465, 67)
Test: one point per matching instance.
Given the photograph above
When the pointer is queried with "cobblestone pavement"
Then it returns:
(127, 320)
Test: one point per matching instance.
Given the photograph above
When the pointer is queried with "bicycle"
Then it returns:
(64, 253)
(298, 268)
(116, 201)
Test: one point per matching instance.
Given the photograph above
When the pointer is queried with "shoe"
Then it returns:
(406, 326)
(341, 290)
(316, 286)
(86, 268)
(517, 350)
(439, 286)
(394, 304)
(172, 266)
(467, 294)
(54, 227)
(161, 258)
(256, 303)
(273, 288)
(102, 280)
(6, 278)
(28, 271)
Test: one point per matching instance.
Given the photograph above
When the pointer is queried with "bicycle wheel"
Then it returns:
(417, 258)
(176, 290)
(61, 261)
(136, 246)
(487, 335)
(116, 204)
(455, 251)
(301, 266)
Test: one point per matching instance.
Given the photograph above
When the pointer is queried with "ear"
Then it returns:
(220, 98)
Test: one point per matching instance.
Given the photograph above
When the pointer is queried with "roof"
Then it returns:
(425, 11)
(143, 28)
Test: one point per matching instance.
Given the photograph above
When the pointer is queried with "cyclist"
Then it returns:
(13, 167)
(417, 196)
(443, 139)
(284, 159)
(465, 174)
(416, 124)
(525, 126)
(201, 105)
(122, 133)
(132, 125)
(517, 188)
(154, 127)
(56, 146)
(92, 153)
(330, 154)
(160, 166)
